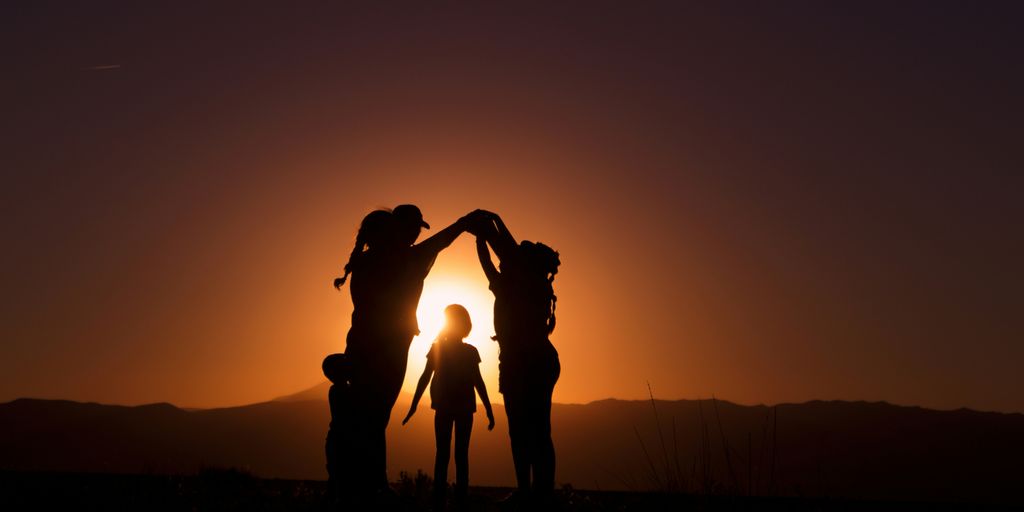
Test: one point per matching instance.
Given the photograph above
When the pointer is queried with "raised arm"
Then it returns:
(440, 241)
(428, 371)
(485, 259)
(482, 389)
(501, 240)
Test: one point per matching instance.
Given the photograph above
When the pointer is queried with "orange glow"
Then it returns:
(446, 287)
(731, 220)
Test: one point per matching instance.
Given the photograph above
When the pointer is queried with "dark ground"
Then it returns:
(217, 489)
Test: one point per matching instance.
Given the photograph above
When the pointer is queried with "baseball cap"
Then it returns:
(409, 213)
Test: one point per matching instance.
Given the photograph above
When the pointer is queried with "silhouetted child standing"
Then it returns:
(340, 476)
(455, 367)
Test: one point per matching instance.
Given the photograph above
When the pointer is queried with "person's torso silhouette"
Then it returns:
(521, 312)
(455, 369)
(386, 289)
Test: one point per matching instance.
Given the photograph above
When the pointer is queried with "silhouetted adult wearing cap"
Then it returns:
(377, 234)
(528, 365)
(387, 275)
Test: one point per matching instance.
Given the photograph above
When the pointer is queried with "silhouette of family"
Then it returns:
(385, 272)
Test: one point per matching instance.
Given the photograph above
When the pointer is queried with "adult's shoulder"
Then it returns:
(420, 256)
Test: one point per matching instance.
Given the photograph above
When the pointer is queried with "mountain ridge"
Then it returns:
(319, 391)
(855, 449)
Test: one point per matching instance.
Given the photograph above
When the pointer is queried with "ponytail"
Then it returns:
(356, 251)
(553, 263)
(376, 226)
(551, 316)
(546, 260)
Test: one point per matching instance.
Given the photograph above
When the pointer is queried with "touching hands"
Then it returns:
(474, 222)
(480, 223)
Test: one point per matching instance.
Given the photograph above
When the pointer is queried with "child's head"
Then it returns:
(456, 322)
(337, 368)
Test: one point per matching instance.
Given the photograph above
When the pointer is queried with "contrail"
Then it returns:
(103, 67)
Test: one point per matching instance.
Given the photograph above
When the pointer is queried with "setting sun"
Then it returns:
(444, 288)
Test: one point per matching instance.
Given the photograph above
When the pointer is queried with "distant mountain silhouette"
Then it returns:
(318, 392)
(848, 449)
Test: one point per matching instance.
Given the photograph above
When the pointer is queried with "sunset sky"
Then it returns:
(765, 202)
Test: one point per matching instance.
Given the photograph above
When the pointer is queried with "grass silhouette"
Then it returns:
(667, 476)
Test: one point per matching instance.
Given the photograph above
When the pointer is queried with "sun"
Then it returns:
(439, 291)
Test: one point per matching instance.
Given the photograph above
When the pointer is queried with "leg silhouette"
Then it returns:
(543, 447)
(443, 424)
(518, 433)
(376, 382)
(463, 429)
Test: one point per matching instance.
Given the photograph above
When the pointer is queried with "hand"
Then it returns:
(476, 222)
(338, 281)
(486, 214)
(412, 410)
(490, 420)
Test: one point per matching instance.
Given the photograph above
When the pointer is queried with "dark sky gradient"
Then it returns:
(762, 201)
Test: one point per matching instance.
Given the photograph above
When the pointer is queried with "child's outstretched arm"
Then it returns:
(482, 389)
(428, 371)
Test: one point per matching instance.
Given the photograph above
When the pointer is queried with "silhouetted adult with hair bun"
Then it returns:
(528, 365)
